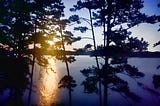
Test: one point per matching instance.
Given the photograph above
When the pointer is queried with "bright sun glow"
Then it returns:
(51, 43)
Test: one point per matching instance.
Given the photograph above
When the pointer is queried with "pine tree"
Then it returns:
(116, 17)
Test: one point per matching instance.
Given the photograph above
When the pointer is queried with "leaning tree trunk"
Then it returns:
(97, 62)
(94, 41)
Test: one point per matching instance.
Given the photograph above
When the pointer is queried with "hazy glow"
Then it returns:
(48, 84)
(51, 43)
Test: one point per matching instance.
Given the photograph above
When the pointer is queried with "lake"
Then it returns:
(45, 91)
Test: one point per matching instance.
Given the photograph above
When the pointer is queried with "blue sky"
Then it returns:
(147, 31)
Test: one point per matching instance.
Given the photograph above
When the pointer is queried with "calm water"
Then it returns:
(45, 89)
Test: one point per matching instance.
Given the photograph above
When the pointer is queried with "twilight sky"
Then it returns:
(147, 31)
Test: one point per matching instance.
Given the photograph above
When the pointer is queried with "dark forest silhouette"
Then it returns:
(156, 78)
(27, 26)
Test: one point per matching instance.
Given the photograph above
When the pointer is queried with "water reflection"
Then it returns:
(48, 84)
(139, 90)
(46, 80)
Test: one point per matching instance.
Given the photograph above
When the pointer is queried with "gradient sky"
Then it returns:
(147, 31)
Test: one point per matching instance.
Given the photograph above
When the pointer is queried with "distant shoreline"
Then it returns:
(146, 54)
(132, 54)
(139, 54)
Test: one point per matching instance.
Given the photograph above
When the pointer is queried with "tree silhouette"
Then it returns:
(14, 77)
(62, 39)
(89, 5)
(43, 14)
(156, 78)
(156, 20)
(15, 25)
(28, 26)
(29, 23)
(116, 17)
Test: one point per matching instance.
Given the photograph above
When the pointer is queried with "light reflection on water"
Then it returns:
(49, 93)
(48, 84)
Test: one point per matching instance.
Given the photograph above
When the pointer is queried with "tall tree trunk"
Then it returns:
(109, 8)
(104, 32)
(64, 49)
(70, 96)
(32, 70)
(19, 46)
(105, 99)
(94, 41)
(100, 92)
(31, 83)
(67, 67)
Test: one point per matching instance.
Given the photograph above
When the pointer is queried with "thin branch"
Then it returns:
(86, 20)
